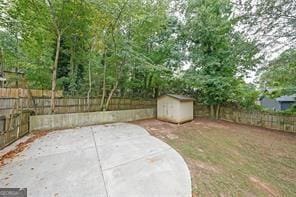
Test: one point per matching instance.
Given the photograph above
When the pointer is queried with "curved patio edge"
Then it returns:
(150, 167)
(113, 160)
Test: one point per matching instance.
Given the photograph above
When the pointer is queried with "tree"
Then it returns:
(95, 48)
(61, 14)
(124, 42)
(270, 22)
(130, 48)
(279, 75)
(8, 45)
(43, 26)
(220, 56)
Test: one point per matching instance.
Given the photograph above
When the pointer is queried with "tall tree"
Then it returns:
(219, 56)
(278, 77)
(43, 25)
(124, 40)
(61, 14)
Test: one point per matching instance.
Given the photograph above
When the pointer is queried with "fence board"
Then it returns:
(255, 118)
(24, 93)
(16, 126)
(70, 105)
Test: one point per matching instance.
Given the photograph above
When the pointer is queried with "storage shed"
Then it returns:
(175, 108)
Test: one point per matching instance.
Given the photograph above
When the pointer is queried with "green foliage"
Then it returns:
(291, 110)
(246, 95)
(279, 75)
(130, 48)
(220, 56)
(8, 48)
(138, 47)
(272, 19)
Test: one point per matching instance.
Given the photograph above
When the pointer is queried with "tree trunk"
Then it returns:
(110, 95)
(156, 93)
(89, 73)
(212, 111)
(30, 96)
(72, 73)
(17, 56)
(89, 85)
(54, 73)
(104, 84)
(217, 111)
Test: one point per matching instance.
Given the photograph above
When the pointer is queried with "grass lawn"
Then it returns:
(227, 159)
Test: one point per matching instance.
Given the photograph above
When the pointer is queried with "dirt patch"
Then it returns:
(263, 186)
(197, 166)
(20, 148)
(172, 136)
(157, 128)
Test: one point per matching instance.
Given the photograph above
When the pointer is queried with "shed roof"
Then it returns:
(286, 99)
(179, 97)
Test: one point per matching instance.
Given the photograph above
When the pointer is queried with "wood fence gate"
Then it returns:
(15, 126)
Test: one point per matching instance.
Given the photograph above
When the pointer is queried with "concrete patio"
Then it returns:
(106, 160)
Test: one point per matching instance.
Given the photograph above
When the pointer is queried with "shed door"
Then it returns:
(169, 109)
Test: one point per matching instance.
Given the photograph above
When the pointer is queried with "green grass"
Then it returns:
(233, 160)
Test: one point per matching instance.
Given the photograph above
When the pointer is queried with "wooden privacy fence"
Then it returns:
(15, 126)
(25, 93)
(254, 117)
(259, 118)
(201, 110)
(41, 106)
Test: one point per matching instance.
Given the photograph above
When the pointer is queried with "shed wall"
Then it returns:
(271, 104)
(173, 110)
(168, 109)
(286, 105)
(185, 111)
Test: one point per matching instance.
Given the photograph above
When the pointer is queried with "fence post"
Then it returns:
(18, 124)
